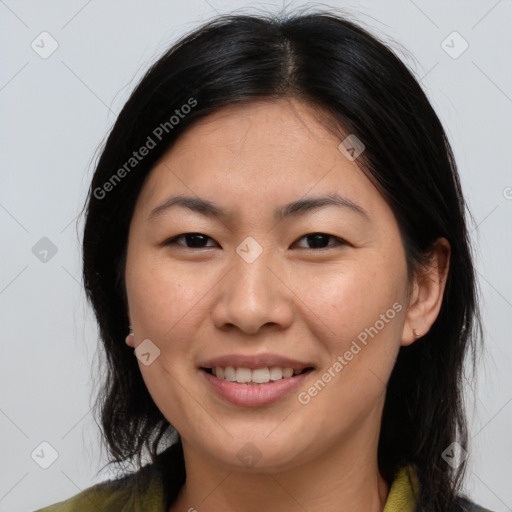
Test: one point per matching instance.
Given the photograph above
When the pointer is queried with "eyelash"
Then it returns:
(339, 241)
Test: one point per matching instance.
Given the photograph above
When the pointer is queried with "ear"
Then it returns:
(427, 293)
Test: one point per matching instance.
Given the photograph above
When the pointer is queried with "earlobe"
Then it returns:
(130, 338)
(427, 296)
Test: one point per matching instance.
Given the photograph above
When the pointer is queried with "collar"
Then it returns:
(401, 497)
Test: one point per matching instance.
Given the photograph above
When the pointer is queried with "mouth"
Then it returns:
(254, 387)
(255, 376)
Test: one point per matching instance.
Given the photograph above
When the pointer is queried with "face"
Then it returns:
(256, 285)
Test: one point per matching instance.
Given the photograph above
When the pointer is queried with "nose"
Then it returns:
(251, 296)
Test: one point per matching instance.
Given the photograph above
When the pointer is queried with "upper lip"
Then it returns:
(255, 361)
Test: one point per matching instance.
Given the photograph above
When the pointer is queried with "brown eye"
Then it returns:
(192, 240)
(321, 240)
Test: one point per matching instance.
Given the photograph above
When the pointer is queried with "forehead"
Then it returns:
(268, 151)
(268, 121)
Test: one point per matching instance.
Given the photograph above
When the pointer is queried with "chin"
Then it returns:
(257, 452)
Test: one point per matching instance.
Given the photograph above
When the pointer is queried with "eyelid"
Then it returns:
(339, 241)
(173, 239)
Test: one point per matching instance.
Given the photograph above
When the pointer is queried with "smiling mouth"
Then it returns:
(257, 376)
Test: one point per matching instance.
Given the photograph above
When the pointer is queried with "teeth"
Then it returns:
(229, 373)
(256, 376)
(276, 373)
(243, 375)
(287, 372)
(261, 375)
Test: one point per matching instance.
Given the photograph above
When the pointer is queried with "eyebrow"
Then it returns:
(299, 207)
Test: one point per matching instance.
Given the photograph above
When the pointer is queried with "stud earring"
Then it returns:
(416, 333)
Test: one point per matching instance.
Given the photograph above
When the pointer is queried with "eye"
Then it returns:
(318, 240)
(192, 240)
(198, 240)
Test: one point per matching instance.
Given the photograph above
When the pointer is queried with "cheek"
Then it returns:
(362, 311)
(350, 298)
(361, 306)
(164, 298)
(165, 306)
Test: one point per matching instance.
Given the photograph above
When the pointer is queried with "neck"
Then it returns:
(343, 479)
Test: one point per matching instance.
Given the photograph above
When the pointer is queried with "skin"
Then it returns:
(307, 303)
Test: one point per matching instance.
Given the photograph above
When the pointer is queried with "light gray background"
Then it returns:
(55, 113)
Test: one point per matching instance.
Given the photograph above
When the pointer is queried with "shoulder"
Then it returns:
(406, 487)
(112, 495)
(104, 496)
(138, 491)
(147, 490)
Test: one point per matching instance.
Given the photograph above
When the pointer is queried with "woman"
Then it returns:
(277, 254)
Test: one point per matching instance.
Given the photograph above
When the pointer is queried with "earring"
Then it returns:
(129, 335)
(416, 333)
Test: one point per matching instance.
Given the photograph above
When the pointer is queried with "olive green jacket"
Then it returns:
(144, 491)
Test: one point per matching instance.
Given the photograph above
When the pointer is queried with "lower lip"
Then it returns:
(254, 395)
